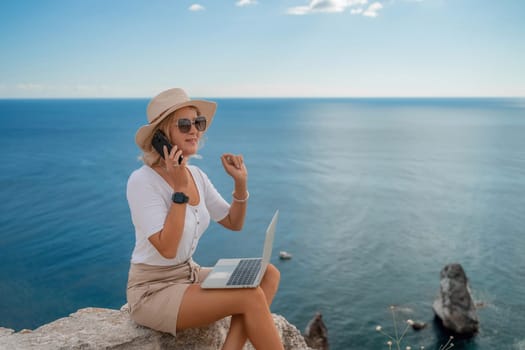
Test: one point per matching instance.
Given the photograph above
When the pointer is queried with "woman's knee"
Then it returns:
(251, 298)
(272, 275)
(262, 295)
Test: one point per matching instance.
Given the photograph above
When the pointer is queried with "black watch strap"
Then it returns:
(179, 198)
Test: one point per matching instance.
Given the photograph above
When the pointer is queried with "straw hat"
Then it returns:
(163, 105)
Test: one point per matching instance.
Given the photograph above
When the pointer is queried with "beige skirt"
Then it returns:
(155, 293)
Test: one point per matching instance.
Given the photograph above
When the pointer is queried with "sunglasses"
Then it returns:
(185, 124)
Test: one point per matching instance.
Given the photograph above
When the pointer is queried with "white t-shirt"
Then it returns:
(149, 199)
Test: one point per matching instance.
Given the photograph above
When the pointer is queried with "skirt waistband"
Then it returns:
(141, 274)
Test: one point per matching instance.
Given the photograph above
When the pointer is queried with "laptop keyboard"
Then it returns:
(245, 272)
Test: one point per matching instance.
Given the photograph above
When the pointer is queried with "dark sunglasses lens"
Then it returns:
(184, 125)
(200, 123)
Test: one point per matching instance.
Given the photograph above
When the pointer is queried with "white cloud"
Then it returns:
(196, 7)
(298, 10)
(58, 90)
(30, 86)
(328, 6)
(246, 2)
(371, 11)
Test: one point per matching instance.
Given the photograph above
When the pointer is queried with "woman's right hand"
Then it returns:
(176, 172)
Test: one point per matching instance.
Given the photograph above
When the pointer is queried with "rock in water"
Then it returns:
(316, 333)
(454, 305)
(417, 325)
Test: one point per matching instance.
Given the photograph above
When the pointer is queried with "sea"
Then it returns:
(376, 196)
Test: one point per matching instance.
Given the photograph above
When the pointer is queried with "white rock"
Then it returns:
(96, 328)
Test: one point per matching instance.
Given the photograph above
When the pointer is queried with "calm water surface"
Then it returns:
(376, 196)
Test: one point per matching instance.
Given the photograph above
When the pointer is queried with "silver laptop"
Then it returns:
(242, 273)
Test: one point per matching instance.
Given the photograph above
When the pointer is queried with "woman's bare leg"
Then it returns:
(237, 335)
(201, 307)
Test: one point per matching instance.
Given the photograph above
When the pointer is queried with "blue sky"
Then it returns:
(264, 48)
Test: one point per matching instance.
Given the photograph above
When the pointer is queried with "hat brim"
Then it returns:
(145, 132)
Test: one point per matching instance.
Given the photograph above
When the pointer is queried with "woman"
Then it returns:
(171, 205)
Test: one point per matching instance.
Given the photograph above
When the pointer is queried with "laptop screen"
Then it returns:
(268, 243)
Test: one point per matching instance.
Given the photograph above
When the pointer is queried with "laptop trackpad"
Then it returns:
(219, 275)
(223, 269)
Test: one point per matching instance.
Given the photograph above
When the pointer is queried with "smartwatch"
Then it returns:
(179, 198)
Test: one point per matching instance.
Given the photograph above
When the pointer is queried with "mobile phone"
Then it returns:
(160, 140)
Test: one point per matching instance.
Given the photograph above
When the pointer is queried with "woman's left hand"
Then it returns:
(234, 166)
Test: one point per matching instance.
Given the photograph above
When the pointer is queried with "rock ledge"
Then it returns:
(97, 328)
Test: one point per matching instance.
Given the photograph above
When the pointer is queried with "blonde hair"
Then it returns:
(150, 156)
